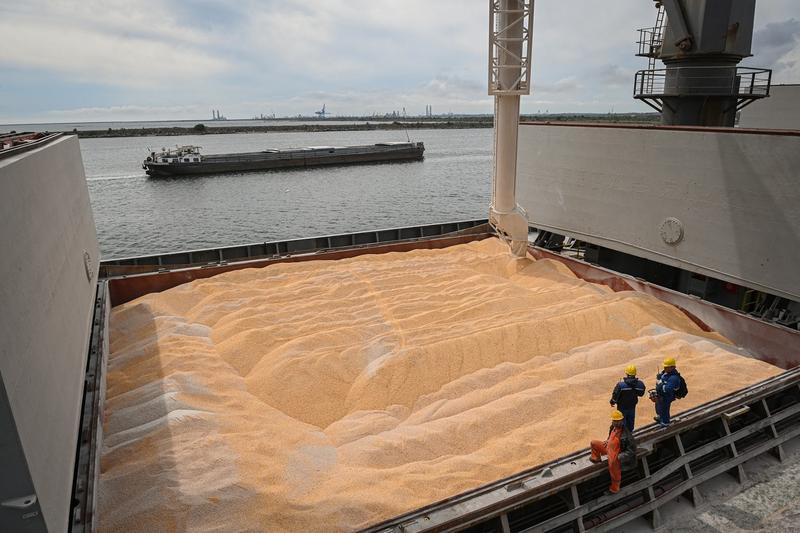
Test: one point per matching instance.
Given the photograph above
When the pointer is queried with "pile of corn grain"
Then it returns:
(328, 395)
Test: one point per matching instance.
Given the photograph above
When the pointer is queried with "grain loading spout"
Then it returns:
(510, 39)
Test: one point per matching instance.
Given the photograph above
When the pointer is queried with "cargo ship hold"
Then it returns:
(188, 161)
(430, 378)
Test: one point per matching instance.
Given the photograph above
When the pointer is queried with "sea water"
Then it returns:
(138, 215)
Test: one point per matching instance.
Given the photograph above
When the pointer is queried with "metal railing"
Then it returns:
(33, 141)
(650, 41)
(741, 82)
(704, 443)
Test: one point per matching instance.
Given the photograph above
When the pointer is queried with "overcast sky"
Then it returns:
(175, 59)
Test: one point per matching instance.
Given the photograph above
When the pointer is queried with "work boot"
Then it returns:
(592, 459)
(657, 419)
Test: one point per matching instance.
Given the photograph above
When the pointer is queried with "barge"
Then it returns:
(187, 160)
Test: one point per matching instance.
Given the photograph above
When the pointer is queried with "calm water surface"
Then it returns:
(136, 215)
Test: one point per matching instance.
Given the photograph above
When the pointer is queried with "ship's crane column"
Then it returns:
(701, 46)
(510, 39)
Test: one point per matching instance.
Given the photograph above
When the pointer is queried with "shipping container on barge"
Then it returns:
(187, 160)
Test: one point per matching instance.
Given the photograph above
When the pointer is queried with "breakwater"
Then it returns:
(441, 124)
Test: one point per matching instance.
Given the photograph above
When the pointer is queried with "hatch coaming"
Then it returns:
(766, 341)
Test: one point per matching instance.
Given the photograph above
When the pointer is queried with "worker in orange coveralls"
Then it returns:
(611, 447)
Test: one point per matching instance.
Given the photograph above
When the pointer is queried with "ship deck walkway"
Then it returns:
(673, 469)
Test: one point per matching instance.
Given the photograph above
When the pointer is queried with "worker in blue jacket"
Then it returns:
(626, 395)
(669, 386)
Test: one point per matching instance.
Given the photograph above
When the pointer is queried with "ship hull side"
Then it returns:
(226, 164)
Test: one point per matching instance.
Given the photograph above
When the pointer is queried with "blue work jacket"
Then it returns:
(667, 384)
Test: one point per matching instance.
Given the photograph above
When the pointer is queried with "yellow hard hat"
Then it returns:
(616, 415)
(630, 370)
(669, 361)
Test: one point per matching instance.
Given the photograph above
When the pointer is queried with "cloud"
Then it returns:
(614, 76)
(170, 59)
(446, 93)
(777, 46)
(123, 112)
(110, 43)
(340, 41)
(564, 85)
(448, 85)
(778, 35)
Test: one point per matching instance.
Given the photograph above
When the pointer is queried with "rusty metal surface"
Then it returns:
(126, 288)
(768, 342)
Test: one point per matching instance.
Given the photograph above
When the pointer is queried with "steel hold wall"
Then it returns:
(722, 203)
(48, 272)
(780, 111)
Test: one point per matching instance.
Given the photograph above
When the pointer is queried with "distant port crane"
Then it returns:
(321, 113)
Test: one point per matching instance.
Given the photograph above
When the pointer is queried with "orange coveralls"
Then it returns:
(610, 447)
